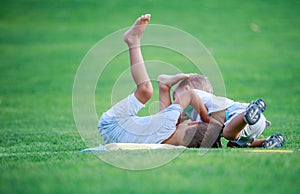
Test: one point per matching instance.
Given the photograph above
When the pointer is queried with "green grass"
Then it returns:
(42, 44)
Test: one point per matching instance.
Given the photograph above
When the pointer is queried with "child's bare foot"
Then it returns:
(133, 36)
(171, 80)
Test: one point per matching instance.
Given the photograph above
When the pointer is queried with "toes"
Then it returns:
(145, 18)
(148, 16)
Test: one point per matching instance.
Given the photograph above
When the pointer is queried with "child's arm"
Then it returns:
(191, 98)
(183, 117)
(199, 106)
(165, 82)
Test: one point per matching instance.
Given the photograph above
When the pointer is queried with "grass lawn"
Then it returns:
(42, 43)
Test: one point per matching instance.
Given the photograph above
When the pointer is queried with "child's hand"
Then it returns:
(183, 117)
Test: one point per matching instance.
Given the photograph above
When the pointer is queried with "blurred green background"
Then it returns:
(255, 44)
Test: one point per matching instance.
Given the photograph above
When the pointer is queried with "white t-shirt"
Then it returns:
(212, 103)
(120, 124)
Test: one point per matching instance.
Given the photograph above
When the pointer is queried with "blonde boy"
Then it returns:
(243, 122)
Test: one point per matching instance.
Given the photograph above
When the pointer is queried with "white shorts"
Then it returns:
(250, 132)
(120, 124)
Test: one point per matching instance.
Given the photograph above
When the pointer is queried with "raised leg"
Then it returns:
(257, 143)
(233, 129)
(138, 70)
(251, 116)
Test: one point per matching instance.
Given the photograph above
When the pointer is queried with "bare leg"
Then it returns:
(138, 70)
(233, 129)
(257, 143)
(165, 82)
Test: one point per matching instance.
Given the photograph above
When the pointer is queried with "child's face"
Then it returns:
(178, 92)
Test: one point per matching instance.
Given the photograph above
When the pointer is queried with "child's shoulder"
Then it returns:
(201, 92)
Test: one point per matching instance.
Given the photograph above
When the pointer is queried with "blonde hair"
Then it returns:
(197, 81)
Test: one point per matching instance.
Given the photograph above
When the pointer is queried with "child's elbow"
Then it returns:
(206, 119)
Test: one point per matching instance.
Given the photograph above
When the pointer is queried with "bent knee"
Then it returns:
(146, 88)
(145, 91)
(229, 135)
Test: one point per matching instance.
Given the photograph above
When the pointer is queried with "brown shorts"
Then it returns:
(212, 131)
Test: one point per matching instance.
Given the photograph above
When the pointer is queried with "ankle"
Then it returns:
(146, 89)
(131, 41)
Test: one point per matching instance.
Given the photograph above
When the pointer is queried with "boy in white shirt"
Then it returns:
(243, 122)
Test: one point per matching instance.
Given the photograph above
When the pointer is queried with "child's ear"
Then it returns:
(187, 87)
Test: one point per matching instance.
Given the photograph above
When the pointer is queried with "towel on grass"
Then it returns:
(130, 146)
